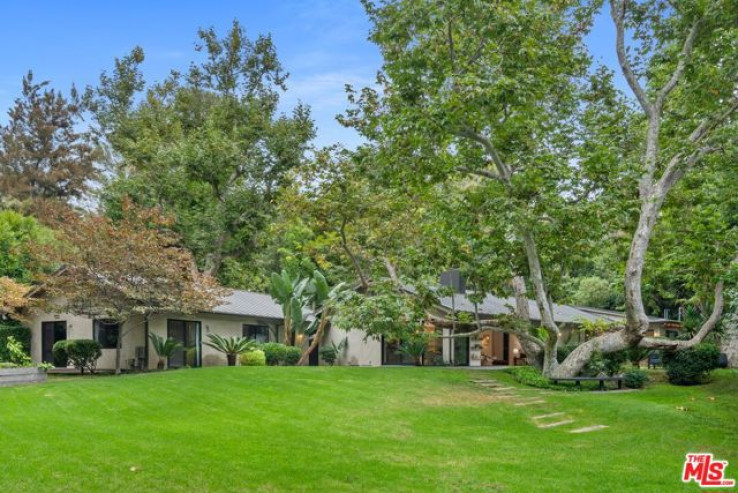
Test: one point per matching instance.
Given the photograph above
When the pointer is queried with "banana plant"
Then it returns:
(290, 292)
(322, 299)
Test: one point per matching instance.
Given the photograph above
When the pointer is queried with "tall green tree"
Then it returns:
(45, 150)
(505, 93)
(209, 146)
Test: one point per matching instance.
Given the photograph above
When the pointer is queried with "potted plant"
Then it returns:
(232, 347)
(164, 348)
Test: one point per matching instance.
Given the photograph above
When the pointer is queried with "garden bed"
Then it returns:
(20, 376)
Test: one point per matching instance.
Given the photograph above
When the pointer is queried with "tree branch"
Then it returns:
(617, 12)
(482, 326)
(502, 168)
(684, 57)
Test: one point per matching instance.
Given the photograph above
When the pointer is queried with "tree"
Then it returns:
(118, 269)
(20, 236)
(209, 146)
(44, 153)
(323, 300)
(12, 297)
(501, 97)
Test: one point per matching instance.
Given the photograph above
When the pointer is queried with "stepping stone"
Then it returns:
(544, 416)
(557, 423)
(482, 381)
(530, 403)
(502, 389)
(587, 429)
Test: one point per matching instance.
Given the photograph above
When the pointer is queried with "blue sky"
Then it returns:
(321, 43)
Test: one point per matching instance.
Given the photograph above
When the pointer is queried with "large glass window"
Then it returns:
(188, 334)
(258, 333)
(106, 333)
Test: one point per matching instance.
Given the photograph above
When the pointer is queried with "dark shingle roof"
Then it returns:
(493, 305)
(248, 303)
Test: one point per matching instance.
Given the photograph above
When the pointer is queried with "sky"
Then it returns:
(321, 43)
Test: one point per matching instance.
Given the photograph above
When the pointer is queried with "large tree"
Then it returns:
(209, 146)
(125, 270)
(505, 93)
(45, 150)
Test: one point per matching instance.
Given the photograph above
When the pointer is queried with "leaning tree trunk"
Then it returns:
(729, 345)
(316, 340)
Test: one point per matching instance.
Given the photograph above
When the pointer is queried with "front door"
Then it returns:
(314, 358)
(188, 334)
(51, 333)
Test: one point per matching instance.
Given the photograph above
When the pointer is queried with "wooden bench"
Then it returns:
(602, 380)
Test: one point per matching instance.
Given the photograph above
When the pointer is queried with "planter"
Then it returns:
(20, 376)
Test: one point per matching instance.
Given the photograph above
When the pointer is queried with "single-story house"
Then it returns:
(258, 316)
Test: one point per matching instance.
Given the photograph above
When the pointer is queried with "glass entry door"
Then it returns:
(188, 334)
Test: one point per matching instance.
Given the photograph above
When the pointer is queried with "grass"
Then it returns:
(351, 429)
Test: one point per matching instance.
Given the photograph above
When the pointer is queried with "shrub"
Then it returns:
(83, 353)
(635, 379)
(607, 363)
(292, 355)
(253, 358)
(691, 366)
(563, 351)
(527, 375)
(16, 353)
(329, 354)
(14, 329)
(59, 351)
(274, 353)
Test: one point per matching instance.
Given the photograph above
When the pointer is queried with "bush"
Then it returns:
(691, 366)
(563, 351)
(253, 358)
(83, 353)
(527, 375)
(635, 379)
(329, 354)
(21, 333)
(16, 353)
(59, 351)
(274, 353)
(292, 355)
(607, 363)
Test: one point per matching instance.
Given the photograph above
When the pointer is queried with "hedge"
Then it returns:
(15, 329)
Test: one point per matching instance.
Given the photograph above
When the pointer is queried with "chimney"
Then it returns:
(454, 279)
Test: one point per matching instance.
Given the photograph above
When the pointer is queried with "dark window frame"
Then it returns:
(265, 329)
(107, 341)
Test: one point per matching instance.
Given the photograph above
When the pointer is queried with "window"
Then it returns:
(258, 333)
(106, 333)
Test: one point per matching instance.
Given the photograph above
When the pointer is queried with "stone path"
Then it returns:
(542, 421)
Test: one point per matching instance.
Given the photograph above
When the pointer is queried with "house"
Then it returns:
(242, 313)
(257, 316)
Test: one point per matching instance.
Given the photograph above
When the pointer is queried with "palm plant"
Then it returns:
(164, 348)
(232, 347)
(415, 348)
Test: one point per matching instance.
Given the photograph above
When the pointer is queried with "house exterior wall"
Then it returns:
(81, 327)
(134, 334)
(358, 352)
(210, 323)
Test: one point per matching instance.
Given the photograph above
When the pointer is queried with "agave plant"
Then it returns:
(415, 348)
(164, 348)
(232, 347)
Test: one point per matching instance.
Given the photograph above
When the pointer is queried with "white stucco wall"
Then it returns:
(359, 352)
(81, 327)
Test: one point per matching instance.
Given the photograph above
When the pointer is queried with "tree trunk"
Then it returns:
(118, 346)
(578, 359)
(231, 358)
(729, 344)
(522, 311)
(316, 340)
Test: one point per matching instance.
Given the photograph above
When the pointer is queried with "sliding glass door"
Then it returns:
(188, 334)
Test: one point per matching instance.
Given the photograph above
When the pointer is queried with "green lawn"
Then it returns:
(351, 429)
